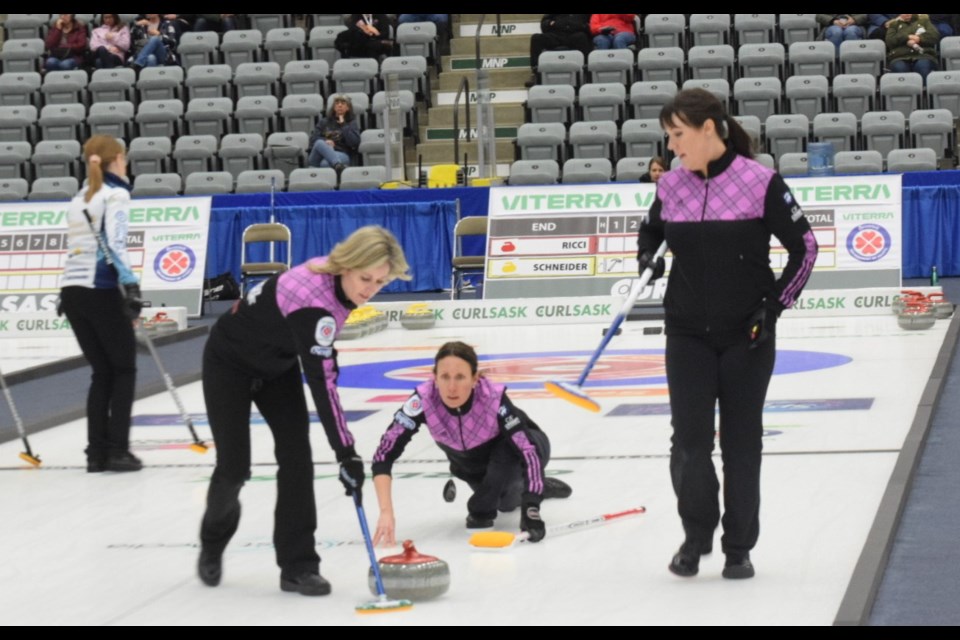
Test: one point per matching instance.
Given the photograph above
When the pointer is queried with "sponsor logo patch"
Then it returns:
(868, 242)
(325, 332)
(404, 420)
(323, 352)
(413, 406)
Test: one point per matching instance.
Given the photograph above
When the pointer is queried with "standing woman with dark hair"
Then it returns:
(492, 445)
(254, 356)
(100, 315)
(717, 212)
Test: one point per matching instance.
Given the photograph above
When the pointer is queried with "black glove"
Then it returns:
(644, 258)
(762, 324)
(531, 523)
(132, 301)
(352, 476)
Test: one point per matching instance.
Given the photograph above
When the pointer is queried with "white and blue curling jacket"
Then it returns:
(109, 209)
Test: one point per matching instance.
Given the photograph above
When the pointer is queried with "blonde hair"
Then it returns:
(367, 247)
(99, 151)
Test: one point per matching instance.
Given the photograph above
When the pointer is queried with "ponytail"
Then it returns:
(737, 137)
(99, 150)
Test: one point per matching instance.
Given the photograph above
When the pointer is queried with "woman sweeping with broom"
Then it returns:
(492, 445)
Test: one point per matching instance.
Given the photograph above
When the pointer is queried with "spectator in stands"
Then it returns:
(944, 23)
(439, 19)
(154, 40)
(367, 36)
(110, 42)
(843, 26)
(613, 30)
(560, 31)
(657, 167)
(877, 24)
(67, 44)
(219, 22)
(336, 138)
(912, 44)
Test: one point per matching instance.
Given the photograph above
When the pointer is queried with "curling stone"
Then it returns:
(160, 324)
(352, 328)
(411, 575)
(906, 297)
(418, 316)
(916, 316)
(941, 307)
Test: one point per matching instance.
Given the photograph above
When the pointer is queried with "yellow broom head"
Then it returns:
(572, 394)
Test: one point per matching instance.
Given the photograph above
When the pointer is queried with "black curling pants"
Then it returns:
(701, 373)
(229, 393)
(105, 335)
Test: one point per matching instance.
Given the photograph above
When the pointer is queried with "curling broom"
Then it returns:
(501, 539)
(574, 392)
(28, 455)
(382, 604)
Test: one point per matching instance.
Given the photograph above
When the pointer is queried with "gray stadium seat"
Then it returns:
(647, 98)
(709, 29)
(901, 92)
(631, 169)
(602, 101)
(15, 160)
(761, 60)
(560, 67)
(112, 85)
(261, 181)
(264, 22)
(863, 56)
(160, 83)
(321, 42)
(159, 118)
(203, 183)
(551, 103)
(950, 53)
(757, 97)
(56, 159)
(594, 139)
(418, 39)
(665, 30)
(904, 160)
(306, 76)
(754, 28)
(301, 111)
(61, 121)
(112, 119)
(815, 58)
(257, 114)
(542, 141)
(838, 128)
(932, 129)
(149, 155)
(943, 91)
(786, 134)
(19, 88)
(798, 27)
(285, 44)
(25, 26)
(793, 164)
(18, 56)
(240, 152)
(766, 160)
(240, 45)
(286, 150)
(56, 189)
(195, 153)
(408, 109)
(64, 87)
(660, 64)
(257, 79)
(642, 138)
(753, 126)
(157, 185)
(13, 189)
(209, 81)
(854, 93)
(411, 73)
(586, 170)
(19, 123)
(322, 179)
(717, 86)
(373, 148)
(883, 131)
(198, 47)
(809, 95)
(846, 162)
(358, 178)
(534, 172)
(209, 116)
(355, 75)
(610, 65)
(711, 61)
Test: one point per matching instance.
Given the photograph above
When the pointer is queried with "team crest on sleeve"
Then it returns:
(404, 420)
(413, 406)
(326, 331)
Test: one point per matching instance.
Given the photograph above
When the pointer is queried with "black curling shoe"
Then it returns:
(477, 521)
(210, 568)
(305, 583)
(686, 562)
(125, 461)
(555, 488)
(738, 567)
